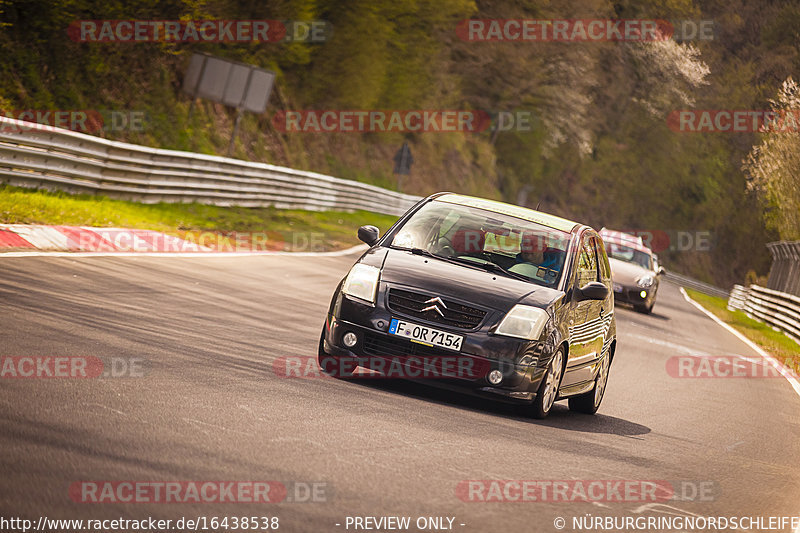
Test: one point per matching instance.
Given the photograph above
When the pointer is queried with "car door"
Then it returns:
(606, 306)
(586, 323)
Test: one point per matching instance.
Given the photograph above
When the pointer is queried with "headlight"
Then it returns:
(523, 321)
(362, 282)
(645, 281)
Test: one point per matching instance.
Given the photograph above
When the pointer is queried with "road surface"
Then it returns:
(210, 407)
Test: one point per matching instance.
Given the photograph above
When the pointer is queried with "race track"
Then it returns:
(211, 407)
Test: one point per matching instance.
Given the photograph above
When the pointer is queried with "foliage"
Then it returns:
(774, 165)
(598, 148)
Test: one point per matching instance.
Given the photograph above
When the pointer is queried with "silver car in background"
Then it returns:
(635, 273)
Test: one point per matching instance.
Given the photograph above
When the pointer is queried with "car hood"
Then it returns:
(626, 273)
(487, 289)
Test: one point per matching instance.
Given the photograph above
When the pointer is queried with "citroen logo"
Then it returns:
(435, 307)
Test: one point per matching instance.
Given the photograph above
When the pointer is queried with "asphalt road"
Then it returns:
(210, 407)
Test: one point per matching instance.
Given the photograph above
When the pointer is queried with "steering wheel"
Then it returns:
(447, 251)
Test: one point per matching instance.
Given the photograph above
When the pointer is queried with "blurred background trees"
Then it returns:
(598, 149)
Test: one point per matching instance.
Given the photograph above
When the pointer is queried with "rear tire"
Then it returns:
(644, 309)
(548, 390)
(589, 402)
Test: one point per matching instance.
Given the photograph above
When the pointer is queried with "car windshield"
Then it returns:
(630, 255)
(497, 242)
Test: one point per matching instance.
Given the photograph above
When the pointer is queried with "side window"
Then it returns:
(602, 259)
(587, 263)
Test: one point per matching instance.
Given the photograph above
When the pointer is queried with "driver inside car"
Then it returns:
(537, 258)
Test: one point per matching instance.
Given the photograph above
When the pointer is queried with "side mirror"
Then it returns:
(661, 271)
(594, 290)
(369, 234)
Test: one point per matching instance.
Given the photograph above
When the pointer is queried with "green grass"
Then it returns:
(299, 230)
(776, 343)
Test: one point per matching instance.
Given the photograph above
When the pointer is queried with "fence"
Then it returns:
(39, 156)
(784, 275)
(778, 309)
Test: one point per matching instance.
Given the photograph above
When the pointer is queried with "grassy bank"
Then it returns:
(299, 230)
(774, 342)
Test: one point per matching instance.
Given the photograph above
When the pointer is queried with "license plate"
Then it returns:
(425, 335)
(617, 287)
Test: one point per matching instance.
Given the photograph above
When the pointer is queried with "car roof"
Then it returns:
(531, 215)
(624, 239)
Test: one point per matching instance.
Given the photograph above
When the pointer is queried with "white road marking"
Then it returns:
(667, 344)
(785, 372)
(215, 426)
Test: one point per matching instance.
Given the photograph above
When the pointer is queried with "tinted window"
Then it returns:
(477, 236)
(630, 255)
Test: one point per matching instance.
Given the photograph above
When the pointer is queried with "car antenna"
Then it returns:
(538, 204)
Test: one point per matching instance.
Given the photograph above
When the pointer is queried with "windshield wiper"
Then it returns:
(423, 251)
(491, 267)
(486, 265)
(494, 267)
(427, 253)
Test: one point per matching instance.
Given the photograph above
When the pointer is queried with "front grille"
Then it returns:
(457, 315)
(432, 362)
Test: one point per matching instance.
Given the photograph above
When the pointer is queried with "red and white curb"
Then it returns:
(22, 240)
(83, 239)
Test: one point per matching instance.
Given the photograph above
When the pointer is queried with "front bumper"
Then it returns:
(467, 370)
(632, 294)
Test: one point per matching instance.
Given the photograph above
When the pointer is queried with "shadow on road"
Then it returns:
(632, 313)
(561, 417)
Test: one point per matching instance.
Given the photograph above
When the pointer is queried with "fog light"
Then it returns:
(349, 339)
(643, 294)
(495, 377)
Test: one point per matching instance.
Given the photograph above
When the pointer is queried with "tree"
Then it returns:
(774, 166)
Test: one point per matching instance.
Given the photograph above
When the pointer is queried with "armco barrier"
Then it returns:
(784, 276)
(705, 288)
(40, 156)
(778, 309)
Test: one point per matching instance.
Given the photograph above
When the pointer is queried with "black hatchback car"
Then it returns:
(491, 298)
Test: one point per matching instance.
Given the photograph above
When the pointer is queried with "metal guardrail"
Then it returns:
(778, 309)
(39, 156)
(705, 288)
(784, 275)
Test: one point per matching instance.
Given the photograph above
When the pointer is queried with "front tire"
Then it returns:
(331, 364)
(548, 390)
(589, 402)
